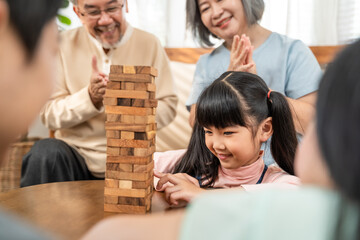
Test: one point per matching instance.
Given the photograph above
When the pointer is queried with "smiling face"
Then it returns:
(224, 18)
(234, 146)
(109, 27)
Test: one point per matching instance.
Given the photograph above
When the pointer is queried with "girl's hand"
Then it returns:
(241, 55)
(183, 190)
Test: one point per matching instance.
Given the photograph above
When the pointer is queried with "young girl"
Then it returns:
(235, 115)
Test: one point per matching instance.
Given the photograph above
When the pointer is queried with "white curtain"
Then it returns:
(316, 22)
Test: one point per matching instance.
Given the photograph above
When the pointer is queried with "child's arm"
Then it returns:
(182, 190)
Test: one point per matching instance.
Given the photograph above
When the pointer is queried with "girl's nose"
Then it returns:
(218, 145)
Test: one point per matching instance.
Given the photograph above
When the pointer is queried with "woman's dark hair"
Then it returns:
(238, 98)
(28, 17)
(338, 120)
(253, 10)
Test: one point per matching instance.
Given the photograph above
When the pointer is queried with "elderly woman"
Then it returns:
(286, 65)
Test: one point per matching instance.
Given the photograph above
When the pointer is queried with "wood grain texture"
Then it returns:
(128, 143)
(126, 94)
(129, 159)
(128, 110)
(136, 78)
(130, 127)
(134, 69)
(128, 176)
(66, 209)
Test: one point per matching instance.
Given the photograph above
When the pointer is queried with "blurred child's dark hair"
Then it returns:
(29, 18)
(338, 120)
(239, 98)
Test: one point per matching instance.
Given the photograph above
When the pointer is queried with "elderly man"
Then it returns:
(75, 109)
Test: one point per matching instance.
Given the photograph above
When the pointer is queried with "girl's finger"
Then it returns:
(158, 174)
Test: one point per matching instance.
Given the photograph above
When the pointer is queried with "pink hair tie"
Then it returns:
(268, 94)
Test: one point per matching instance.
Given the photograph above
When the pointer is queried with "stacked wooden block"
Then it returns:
(130, 107)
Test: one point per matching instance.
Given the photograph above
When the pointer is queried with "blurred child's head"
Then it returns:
(330, 152)
(238, 116)
(28, 43)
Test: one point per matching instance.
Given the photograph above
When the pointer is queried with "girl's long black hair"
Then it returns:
(239, 98)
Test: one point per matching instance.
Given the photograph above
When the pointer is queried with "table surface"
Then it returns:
(67, 209)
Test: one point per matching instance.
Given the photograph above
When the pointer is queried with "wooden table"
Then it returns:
(68, 209)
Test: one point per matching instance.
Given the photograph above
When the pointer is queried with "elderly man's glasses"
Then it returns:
(96, 12)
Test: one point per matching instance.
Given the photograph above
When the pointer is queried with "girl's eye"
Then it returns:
(228, 133)
(207, 132)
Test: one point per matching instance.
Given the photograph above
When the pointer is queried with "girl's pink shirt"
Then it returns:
(245, 177)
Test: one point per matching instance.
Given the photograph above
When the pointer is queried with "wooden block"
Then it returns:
(141, 86)
(150, 103)
(116, 69)
(127, 176)
(144, 119)
(127, 119)
(146, 70)
(142, 184)
(125, 209)
(151, 95)
(132, 201)
(123, 102)
(120, 118)
(128, 143)
(130, 127)
(127, 94)
(112, 167)
(114, 117)
(136, 78)
(150, 135)
(129, 159)
(124, 167)
(111, 183)
(127, 86)
(111, 199)
(143, 152)
(113, 134)
(126, 192)
(113, 85)
(127, 135)
(121, 167)
(151, 87)
(110, 101)
(129, 69)
(113, 151)
(124, 184)
(126, 151)
(143, 168)
(128, 110)
(138, 69)
(138, 102)
(154, 111)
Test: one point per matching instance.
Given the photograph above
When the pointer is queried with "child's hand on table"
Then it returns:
(182, 190)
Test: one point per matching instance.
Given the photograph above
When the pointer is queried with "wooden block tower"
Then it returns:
(130, 107)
